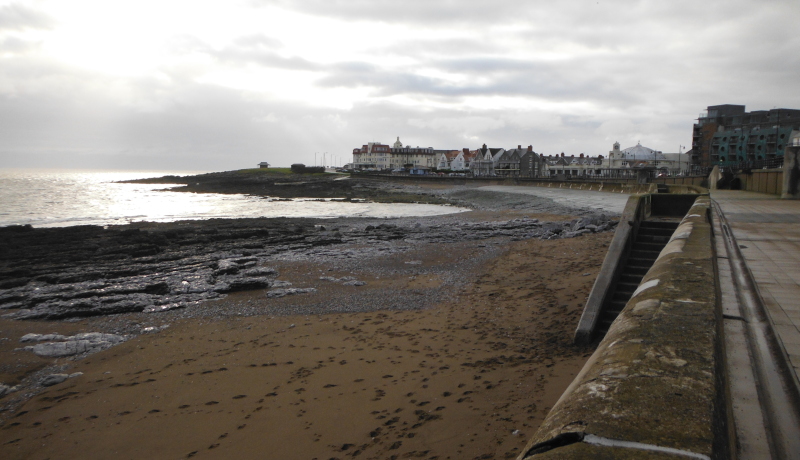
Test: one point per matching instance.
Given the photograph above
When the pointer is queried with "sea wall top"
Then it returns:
(649, 389)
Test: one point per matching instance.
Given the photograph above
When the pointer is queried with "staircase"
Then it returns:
(651, 238)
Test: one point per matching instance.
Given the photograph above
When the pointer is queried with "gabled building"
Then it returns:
(506, 162)
(446, 159)
(530, 163)
(483, 163)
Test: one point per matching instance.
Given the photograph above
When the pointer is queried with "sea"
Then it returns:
(63, 198)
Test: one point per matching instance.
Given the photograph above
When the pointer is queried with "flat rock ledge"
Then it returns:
(55, 379)
(75, 272)
(59, 346)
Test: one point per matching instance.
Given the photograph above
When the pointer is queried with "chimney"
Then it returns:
(562, 154)
(519, 147)
(581, 155)
(530, 148)
(465, 150)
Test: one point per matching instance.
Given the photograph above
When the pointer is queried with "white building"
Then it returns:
(372, 155)
(640, 156)
(375, 155)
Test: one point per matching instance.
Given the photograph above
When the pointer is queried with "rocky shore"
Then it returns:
(89, 271)
(74, 272)
(508, 278)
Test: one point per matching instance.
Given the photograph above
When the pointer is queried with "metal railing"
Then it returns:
(769, 163)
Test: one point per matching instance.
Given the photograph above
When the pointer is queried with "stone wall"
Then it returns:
(768, 181)
(650, 390)
(617, 186)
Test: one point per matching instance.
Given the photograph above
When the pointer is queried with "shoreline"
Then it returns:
(504, 339)
(485, 300)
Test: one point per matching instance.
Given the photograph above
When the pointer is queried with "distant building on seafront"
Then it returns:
(640, 156)
(572, 166)
(727, 134)
(375, 155)
(484, 161)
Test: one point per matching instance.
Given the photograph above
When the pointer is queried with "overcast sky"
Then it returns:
(220, 85)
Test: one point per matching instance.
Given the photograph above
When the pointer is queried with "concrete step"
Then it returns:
(648, 246)
(649, 256)
(661, 239)
(658, 224)
(627, 286)
(662, 232)
(638, 271)
(634, 278)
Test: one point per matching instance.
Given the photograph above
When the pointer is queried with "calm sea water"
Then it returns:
(49, 198)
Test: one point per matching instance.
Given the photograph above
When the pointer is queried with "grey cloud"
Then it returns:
(251, 49)
(563, 16)
(643, 69)
(412, 11)
(161, 125)
(421, 47)
(263, 58)
(504, 77)
(17, 16)
(258, 40)
(14, 45)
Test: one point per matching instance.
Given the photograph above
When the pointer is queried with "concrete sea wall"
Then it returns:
(676, 185)
(652, 389)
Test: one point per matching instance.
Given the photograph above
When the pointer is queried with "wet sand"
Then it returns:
(471, 377)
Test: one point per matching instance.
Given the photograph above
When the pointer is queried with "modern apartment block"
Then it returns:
(726, 134)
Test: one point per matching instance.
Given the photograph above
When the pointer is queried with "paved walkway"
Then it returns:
(579, 199)
(767, 230)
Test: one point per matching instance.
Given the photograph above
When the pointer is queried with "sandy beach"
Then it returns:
(438, 351)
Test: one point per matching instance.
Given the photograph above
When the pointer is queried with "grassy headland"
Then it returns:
(283, 183)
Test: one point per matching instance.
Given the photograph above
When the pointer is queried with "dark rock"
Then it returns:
(74, 272)
(54, 379)
(277, 293)
(90, 342)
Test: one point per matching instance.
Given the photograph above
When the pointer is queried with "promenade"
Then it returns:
(767, 230)
(758, 258)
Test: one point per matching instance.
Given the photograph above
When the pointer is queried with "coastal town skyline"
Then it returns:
(182, 85)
